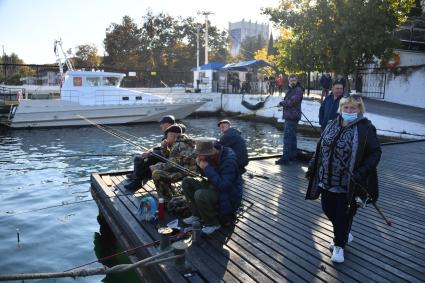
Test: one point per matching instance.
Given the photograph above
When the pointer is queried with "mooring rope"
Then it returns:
(96, 271)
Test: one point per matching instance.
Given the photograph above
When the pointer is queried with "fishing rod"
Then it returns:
(363, 204)
(162, 158)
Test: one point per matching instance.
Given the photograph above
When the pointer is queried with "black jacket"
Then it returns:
(364, 172)
(232, 138)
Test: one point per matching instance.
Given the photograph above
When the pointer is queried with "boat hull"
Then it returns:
(59, 113)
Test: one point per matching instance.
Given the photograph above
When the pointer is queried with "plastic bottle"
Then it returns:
(161, 209)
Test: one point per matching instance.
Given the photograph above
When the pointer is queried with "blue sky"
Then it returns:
(29, 27)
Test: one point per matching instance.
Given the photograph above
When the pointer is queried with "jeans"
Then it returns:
(290, 140)
(335, 206)
(203, 200)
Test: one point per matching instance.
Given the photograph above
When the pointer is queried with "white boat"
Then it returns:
(97, 96)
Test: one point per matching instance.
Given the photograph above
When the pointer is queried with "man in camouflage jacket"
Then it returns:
(179, 148)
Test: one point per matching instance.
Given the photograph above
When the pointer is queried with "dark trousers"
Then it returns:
(335, 206)
(141, 166)
(290, 140)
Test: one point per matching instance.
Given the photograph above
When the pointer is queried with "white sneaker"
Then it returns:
(338, 255)
(210, 229)
(350, 239)
(190, 220)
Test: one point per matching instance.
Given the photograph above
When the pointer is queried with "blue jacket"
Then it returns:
(226, 179)
(232, 138)
(328, 110)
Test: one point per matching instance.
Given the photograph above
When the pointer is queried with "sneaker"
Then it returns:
(338, 255)
(190, 220)
(210, 229)
(350, 239)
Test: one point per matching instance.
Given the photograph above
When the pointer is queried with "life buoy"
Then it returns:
(394, 62)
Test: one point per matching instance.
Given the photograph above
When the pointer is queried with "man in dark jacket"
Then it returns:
(223, 187)
(232, 138)
(142, 162)
(329, 107)
(326, 83)
(292, 114)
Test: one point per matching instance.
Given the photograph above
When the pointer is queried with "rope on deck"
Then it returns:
(96, 271)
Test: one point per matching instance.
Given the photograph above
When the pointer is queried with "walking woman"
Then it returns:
(344, 169)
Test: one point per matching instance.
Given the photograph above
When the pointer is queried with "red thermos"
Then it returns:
(160, 208)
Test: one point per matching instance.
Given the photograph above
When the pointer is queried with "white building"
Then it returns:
(240, 30)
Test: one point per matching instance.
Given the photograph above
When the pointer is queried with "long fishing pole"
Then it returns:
(162, 158)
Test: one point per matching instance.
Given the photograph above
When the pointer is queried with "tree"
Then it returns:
(86, 56)
(12, 73)
(249, 46)
(336, 35)
(271, 49)
(122, 44)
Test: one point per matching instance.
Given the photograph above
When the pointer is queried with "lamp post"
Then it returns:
(206, 14)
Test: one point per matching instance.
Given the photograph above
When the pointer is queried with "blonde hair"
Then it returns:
(355, 100)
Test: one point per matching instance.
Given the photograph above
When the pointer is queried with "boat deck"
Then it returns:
(282, 237)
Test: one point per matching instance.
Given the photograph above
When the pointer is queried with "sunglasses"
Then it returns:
(354, 96)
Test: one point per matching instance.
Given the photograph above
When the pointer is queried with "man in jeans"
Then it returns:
(218, 197)
(291, 105)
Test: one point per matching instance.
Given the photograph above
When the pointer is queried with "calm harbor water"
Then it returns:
(44, 191)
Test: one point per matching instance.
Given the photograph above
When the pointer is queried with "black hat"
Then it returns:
(167, 119)
(173, 129)
(223, 121)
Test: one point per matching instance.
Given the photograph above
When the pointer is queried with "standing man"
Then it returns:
(329, 107)
(223, 187)
(232, 138)
(280, 83)
(326, 83)
(291, 105)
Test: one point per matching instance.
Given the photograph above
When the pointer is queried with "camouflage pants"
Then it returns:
(163, 180)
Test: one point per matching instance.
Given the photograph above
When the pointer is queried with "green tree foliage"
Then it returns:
(162, 43)
(336, 35)
(86, 56)
(11, 73)
(249, 46)
(122, 44)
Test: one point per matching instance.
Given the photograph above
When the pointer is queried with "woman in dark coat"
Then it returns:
(343, 169)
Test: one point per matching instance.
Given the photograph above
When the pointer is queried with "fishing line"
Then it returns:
(9, 213)
(162, 158)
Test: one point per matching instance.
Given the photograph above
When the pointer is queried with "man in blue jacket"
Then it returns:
(219, 196)
(329, 107)
(232, 138)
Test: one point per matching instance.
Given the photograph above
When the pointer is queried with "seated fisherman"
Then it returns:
(180, 149)
(218, 198)
(232, 138)
(142, 162)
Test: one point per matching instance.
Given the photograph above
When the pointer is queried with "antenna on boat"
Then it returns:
(65, 58)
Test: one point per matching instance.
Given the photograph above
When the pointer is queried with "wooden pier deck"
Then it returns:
(282, 237)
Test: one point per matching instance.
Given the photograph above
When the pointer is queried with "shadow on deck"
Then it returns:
(282, 237)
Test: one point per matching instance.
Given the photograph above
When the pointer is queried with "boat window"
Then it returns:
(125, 98)
(77, 81)
(93, 81)
(110, 81)
(138, 98)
